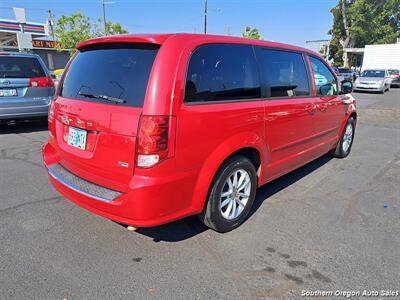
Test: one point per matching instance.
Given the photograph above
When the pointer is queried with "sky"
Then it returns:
(287, 21)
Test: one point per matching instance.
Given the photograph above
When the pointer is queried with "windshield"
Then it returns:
(344, 70)
(20, 67)
(112, 72)
(373, 73)
(394, 72)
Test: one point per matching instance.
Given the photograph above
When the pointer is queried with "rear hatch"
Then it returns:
(23, 84)
(97, 112)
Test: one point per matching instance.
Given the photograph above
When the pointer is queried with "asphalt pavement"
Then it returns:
(330, 225)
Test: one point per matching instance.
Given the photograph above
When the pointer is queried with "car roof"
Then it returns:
(203, 38)
(18, 54)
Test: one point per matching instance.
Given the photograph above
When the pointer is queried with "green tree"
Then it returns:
(251, 33)
(70, 30)
(111, 28)
(357, 23)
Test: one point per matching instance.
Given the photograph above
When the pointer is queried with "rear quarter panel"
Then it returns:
(208, 134)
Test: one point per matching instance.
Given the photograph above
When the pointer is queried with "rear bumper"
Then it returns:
(146, 201)
(24, 112)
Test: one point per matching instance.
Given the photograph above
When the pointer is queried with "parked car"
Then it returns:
(373, 80)
(346, 73)
(339, 76)
(395, 77)
(147, 129)
(26, 87)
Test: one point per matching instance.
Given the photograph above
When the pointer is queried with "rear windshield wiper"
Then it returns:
(103, 97)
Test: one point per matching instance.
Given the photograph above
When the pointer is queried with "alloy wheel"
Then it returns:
(235, 194)
(347, 138)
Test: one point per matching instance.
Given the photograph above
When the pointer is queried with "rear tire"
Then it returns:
(343, 148)
(231, 195)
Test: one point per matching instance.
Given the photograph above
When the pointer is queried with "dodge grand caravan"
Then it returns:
(147, 129)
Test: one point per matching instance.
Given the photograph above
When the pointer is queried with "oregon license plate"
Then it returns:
(77, 137)
(8, 92)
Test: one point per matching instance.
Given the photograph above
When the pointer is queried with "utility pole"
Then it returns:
(228, 30)
(205, 17)
(51, 23)
(104, 16)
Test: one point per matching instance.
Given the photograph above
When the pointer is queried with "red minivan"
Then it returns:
(147, 129)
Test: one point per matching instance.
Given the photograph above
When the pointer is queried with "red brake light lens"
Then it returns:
(152, 142)
(37, 82)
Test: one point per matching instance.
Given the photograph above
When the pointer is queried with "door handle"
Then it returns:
(323, 107)
(311, 109)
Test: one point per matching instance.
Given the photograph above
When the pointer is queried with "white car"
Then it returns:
(373, 80)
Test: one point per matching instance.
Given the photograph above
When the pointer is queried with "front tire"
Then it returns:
(232, 194)
(343, 148)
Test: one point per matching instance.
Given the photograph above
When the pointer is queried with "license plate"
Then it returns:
(8, 92)
(77, 137)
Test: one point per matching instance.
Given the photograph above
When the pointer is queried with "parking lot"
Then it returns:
(330, 225)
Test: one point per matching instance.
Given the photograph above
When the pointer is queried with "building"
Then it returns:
(20, 35)
(384, 56)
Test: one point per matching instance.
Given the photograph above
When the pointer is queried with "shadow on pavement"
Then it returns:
(189, 227)
(24, 127)
(281, 183)
(176, 231)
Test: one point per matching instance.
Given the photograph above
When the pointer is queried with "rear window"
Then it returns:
(20, 67)
(222, 72)
(114, 70)
(344, 70)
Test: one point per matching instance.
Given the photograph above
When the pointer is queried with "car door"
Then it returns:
(290, 109)
(330, 111)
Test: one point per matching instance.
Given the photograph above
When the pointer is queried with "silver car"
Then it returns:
(373, 80)
(26, 87)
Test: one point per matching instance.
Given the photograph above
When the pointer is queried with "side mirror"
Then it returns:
(347, 87)
(326, 89)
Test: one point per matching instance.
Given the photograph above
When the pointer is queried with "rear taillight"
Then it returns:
(154, 139)
(37, 82)
(51, 112)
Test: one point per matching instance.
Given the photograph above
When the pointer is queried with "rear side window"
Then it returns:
(20, 67)
(222, 72)
(325, 82)
(114, 70)
(284, 73)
